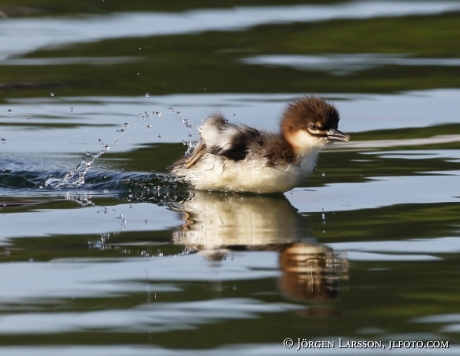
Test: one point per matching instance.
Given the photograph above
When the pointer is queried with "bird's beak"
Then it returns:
(336, 135)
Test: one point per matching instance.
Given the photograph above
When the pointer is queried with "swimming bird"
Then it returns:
(236, 157)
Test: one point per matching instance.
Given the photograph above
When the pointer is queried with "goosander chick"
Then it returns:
(240, 158)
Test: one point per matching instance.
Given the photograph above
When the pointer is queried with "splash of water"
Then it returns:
(76, 176)
(156, 187)
(186, 122)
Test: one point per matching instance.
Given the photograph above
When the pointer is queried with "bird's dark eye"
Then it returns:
(313, 126)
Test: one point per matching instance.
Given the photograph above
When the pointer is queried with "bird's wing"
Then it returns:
(195, 156)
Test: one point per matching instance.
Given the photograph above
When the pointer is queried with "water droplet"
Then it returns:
(126, 124)
(10, 111)
(140, 48)
(138, 73)
(144, 116)
(158, 113)
(234, 115)
(28, 117)
(171, 110)
(149, 127)
(159, 136)
(3, 140)
(323, 174)
(147, 95)
(52, 94)
(71, 109)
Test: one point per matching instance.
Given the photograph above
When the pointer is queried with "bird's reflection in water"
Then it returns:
(311, 272)
(217, 224)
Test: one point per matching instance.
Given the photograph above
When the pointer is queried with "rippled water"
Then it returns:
(103, 253)
(16, 32)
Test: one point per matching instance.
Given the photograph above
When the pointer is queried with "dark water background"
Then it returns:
(102, 253)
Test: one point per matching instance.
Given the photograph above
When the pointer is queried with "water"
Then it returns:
(103, 253)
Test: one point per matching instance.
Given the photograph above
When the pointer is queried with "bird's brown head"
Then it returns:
(311, 122)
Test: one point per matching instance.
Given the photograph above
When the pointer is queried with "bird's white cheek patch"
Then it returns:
(304, 142)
